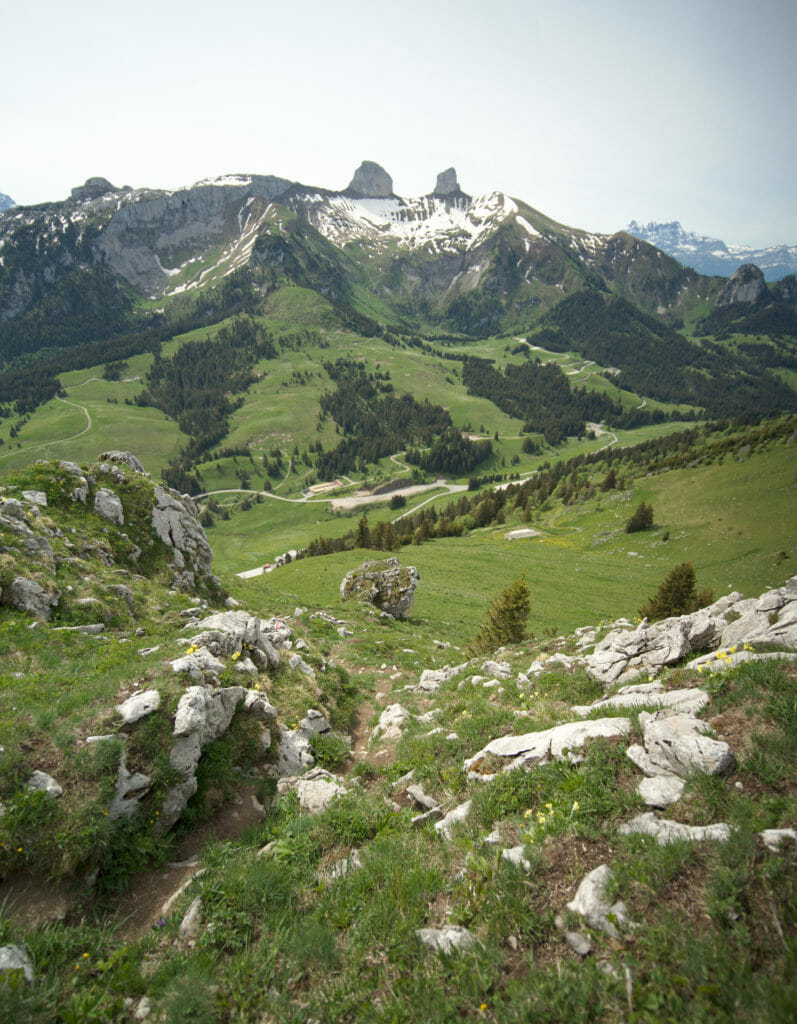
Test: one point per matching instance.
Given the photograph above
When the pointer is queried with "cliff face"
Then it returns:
(746, 286)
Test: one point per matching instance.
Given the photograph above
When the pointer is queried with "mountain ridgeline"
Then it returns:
(112, 272)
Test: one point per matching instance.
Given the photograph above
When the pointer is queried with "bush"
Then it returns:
(505, 622)
(642, 519)
(677, 595)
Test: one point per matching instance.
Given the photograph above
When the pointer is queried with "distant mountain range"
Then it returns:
(712, 256)
(6, 202)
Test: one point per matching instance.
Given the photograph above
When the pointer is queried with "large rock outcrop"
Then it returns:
(624, 653)
(747, 285)
(387, 585)
(176, 521)
(371, 181)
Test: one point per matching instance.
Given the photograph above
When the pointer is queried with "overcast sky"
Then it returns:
(593, 112)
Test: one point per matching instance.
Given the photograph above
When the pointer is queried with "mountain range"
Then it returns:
(712, 256)
(110, 272)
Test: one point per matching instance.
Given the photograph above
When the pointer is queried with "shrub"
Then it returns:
(505, 622)
(677, 595)
(642, 519)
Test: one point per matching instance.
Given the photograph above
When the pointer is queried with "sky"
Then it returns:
(593, 112)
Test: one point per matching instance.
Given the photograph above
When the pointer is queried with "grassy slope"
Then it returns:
(583, 569)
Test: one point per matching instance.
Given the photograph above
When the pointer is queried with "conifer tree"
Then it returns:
(505, 622)
(677, 595)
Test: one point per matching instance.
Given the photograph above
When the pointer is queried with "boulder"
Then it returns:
(176, 521)
(535, 748)
(28, 596)
(129, 788)
(675, 744)
(108, 505)
(689, 700)
(200, 665)
(774, 838)
(294, 754)
(203, 714)
(454, 817)
(661, 790)
(122, 459)
(316, 789)
(387, 585)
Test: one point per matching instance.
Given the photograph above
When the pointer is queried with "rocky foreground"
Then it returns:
(482, 777)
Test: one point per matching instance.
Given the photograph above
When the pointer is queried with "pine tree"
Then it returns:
(677, 595)
(505, 622)
(642, 519)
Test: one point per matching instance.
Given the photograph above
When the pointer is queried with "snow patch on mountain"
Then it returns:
(431, 222)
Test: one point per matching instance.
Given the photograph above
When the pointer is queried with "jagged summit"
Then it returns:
(447, 183)
(371, 181)
(713, 256)
(6, 202)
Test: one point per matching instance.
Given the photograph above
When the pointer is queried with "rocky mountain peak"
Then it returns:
(93, 189)
(6, 202)
(446, 183)
(371, 181)
(746, 285)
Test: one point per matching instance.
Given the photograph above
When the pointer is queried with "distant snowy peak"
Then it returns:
(6, 202)
(713, 256)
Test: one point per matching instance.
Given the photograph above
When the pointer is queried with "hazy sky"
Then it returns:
(593, 112)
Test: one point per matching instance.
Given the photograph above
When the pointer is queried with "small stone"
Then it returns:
(15, 958)
(447, 939)
(45, 783)
(453, 817)
(189, 926)
(578, 943)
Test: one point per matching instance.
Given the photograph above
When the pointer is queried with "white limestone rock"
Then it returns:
(316, 789)
(138, 706)
(108, 505)
(590, 902)
(665, 831)
(661, 790)
(448, 939)
(200, 665)
(294, 754)
(15, 958)
(675, 744)
(29, 596)
(689, 700)
(391, 722)
(44, 783)
(535, 748)
(454, 817)
(774, 838)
